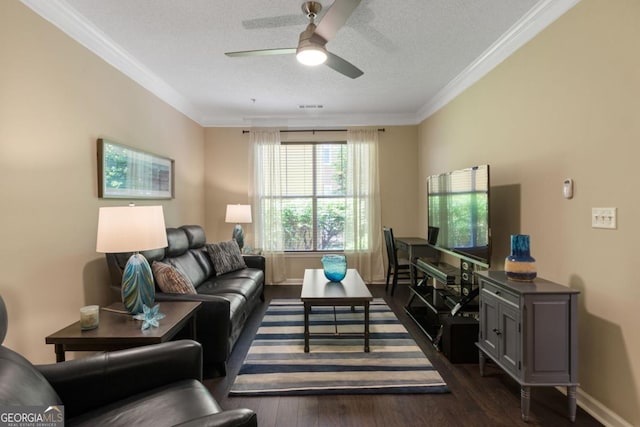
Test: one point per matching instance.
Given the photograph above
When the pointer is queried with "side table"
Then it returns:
(118, 330)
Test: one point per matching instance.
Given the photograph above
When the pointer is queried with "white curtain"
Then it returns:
(267, 201)
(363, 241)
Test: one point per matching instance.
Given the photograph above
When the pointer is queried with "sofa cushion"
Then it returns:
(189, 265)
(230, 285)
(226, 257)
(170, 280)
(196, 236)
(178, 242)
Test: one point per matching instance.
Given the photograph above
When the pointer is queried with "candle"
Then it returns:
(89, 317)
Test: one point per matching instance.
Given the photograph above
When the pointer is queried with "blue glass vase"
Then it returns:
(335, 267)
(520, 265)
(138, 288)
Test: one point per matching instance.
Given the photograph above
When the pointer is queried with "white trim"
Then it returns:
(342, 120)
(536, 20)
(597, 410)
(67, 19)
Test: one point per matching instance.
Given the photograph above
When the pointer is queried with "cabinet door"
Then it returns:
(489, 323)
(550, 346)
(510, 337)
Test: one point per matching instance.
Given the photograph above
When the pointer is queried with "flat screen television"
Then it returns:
(459, 213)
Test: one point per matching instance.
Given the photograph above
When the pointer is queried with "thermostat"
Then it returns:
(567, 188)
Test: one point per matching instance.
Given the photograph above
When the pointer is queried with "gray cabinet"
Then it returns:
(529, 329)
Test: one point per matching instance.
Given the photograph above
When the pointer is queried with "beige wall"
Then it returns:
(227, 156)
(567, 105)
(56, 99)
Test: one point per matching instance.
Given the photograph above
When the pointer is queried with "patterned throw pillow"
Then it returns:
(171, 280)
(226, 257)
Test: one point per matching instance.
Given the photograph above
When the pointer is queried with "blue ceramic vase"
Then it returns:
(520, 265)
(335, 267)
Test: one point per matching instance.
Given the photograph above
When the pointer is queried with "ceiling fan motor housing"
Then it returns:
(311, 9)
(311, 50)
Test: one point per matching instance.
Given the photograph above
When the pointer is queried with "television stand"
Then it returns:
(435, 299)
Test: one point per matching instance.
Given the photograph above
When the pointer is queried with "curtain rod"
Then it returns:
(313, 130)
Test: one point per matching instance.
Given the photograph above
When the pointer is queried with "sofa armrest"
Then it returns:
(255, 261)
(213, 323)
(94, 381)
(231, 418)
(210, 301)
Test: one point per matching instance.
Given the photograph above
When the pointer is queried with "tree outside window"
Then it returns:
(314, 196)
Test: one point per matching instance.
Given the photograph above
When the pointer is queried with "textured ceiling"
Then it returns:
(409, 51)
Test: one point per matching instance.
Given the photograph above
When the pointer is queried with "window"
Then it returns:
(314, 195)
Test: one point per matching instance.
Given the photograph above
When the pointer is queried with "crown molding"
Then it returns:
(67, 19)
(536, 20)
(320, 121)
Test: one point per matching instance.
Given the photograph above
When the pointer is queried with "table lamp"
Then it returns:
(238, 214)
(133, 229)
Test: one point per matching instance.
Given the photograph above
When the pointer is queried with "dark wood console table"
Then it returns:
(529, 329)
(117, 330)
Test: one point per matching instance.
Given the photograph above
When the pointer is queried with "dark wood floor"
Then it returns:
(492, 400)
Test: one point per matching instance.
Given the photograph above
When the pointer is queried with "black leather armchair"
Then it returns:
(157, 385)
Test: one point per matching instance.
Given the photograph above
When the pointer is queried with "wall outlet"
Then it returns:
(604, 218)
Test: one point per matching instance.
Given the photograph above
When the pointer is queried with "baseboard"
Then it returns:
(597, 410)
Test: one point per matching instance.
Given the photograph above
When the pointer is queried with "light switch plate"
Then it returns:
(604, 218)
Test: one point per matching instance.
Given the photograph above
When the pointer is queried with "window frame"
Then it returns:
(315, 197)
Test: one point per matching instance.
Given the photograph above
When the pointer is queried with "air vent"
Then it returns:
(310, 106)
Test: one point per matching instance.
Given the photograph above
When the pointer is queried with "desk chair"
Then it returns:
(399, 267)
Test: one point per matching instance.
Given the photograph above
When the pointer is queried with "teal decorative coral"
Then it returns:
(149, 316)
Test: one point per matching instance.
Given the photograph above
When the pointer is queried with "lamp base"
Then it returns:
(138, 288)
(238, 235)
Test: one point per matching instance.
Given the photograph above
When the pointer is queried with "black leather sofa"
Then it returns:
(156, 385)
(228, 299)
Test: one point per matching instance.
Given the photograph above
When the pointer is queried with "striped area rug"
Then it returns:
(276, 363)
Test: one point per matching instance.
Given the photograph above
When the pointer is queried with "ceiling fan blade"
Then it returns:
(335, 18)
(274, 22)
(263, 52)
(342, 66)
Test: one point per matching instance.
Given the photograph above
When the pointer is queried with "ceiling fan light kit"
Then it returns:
(311, 46)
(311, 49)
(312, 55)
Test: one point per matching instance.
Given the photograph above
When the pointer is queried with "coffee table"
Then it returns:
(118, 330)
(318, 291)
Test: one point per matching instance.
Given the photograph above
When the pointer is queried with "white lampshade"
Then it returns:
(238, 214)
(130, 229)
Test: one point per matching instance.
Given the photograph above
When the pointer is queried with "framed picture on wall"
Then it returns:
(127, 173)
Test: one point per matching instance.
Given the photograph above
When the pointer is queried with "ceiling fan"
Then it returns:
(311, 46)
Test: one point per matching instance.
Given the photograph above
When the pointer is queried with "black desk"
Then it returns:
(416, 247)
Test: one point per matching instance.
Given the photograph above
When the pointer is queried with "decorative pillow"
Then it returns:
(226, 257)
(170, 280)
